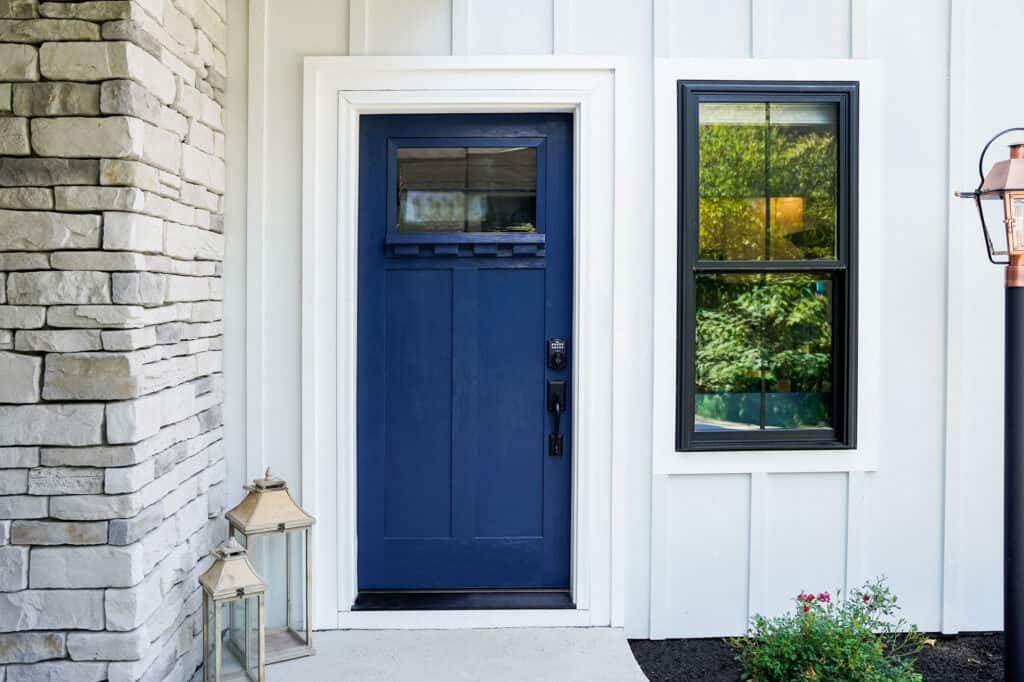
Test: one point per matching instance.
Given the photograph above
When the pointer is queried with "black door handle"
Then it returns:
(557, 405)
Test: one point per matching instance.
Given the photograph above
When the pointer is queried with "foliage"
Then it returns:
(856, 639)
(760, 330)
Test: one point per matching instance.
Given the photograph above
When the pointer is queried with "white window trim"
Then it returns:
(865, 457)
(337, 90)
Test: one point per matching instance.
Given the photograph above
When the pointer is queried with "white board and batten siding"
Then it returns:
(742, 540)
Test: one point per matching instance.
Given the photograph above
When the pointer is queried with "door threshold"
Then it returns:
(461, 600)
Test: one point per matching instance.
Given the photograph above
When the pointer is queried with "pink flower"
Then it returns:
(825, 597)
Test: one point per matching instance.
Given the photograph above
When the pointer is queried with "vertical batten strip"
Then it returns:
(755, 13)
(561, 25)
(956, 317)
(757, 554)
(358, 25)
(858, 29)
(661, 28)
(254, 252)
(460, 27)
(855, 505)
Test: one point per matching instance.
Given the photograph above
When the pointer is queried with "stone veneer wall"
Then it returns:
(111, 465)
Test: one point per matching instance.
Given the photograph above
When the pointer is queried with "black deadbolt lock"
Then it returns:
(557, 359)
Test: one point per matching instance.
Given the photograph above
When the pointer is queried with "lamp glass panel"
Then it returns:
(763, 352)
(1017, 210)
(768, 180)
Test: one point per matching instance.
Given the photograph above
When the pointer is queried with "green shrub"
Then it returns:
(855, 639)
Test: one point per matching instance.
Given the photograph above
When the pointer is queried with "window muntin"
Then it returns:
(767, 312)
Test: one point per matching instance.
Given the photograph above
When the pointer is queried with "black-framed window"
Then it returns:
(767, 265)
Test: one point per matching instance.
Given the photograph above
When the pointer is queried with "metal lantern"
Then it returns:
(1004, 183)
(274, 529)
(231, 584)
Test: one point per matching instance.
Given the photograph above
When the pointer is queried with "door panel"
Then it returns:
(465, 270)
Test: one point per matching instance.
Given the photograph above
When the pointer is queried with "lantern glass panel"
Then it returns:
(1017, 213)
(297, 607)
(238, 638)
(993, 210)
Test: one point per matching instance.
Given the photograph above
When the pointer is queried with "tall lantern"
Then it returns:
(273, 529)
(231, 584)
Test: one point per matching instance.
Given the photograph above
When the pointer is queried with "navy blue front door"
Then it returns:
(465, 274)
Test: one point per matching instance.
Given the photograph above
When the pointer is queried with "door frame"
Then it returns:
(337, 90)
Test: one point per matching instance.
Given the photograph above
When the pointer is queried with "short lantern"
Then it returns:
(231, 584)
(1003, 183)
(265, 520)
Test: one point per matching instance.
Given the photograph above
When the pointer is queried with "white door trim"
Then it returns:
(337, 91)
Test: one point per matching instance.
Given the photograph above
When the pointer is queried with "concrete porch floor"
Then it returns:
(494, 655)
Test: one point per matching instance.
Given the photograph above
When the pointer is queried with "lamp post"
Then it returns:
(1005, 183)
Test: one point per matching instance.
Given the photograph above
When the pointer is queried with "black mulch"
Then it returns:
(974, 658)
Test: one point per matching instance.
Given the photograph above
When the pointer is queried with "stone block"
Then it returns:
(13, 481)
(127, 531)
(119, 172)
(14, 136)
(131, 421)
(5, 96)
(91, 376)
(22, 317)
(116, 137)
(24, 261)
(31, 647)
(140, 288)
(132, 232)
(48, 172)
(58, 340)
(48, 671)
(162, 149)
(107, 261)
(45, 231)
(183, 241)
(16, 458)
(179, 27)
(18, 9)
(44, 424)
(128, 339)
(26, 198)
(173, 122)
(65, 481)
(94, 507)
(134, 32)
(18, 62)
(130, 608)
(54, 98)
(129, 98)
(5, 532)
(108, 646)
(54, 287)
(59, 533)
(22, 507)
(98, 198)
(96, 10)
(13, 572)
(102, 456)
(6, 339)
(105, 61)
(20, 377)
(108, 316)
(84, 567)
(51, 610)
(181, 288)
(47, 30)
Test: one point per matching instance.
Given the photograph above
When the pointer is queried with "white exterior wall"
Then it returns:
(736, 543)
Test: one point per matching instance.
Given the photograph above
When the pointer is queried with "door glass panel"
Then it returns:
(467, 189)
(764, 351)
(768, 180)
